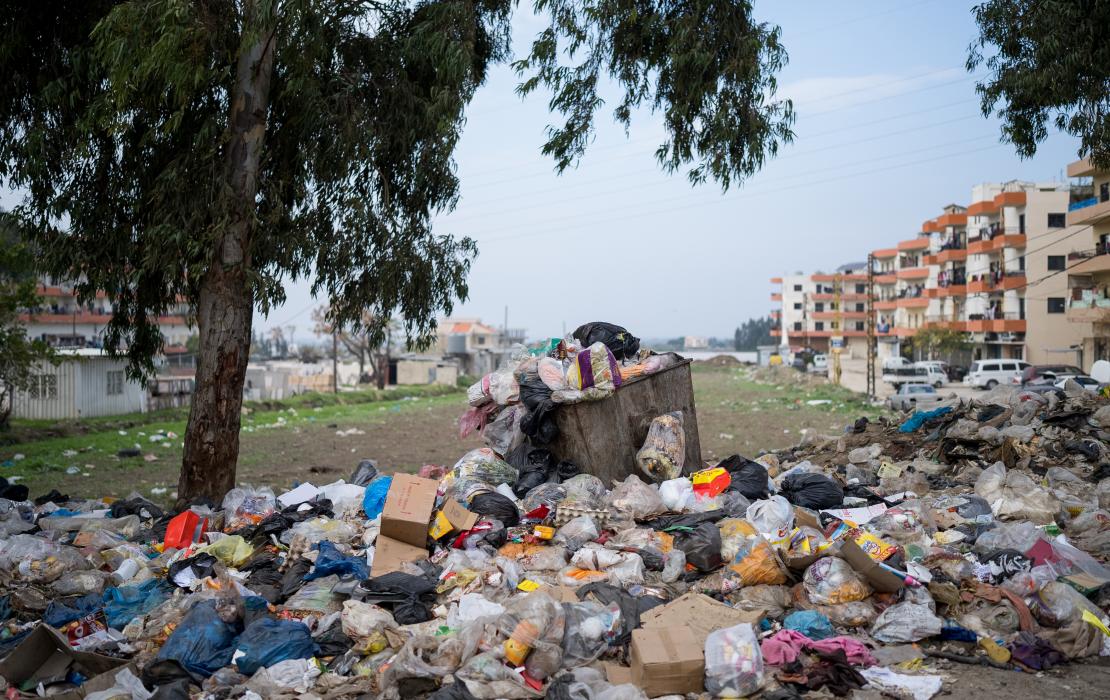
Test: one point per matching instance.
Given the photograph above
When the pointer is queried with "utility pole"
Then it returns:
(838, 321)
(335, 359)
(871, 341)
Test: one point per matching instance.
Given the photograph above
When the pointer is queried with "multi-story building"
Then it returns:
(63, 322)
(1087, 266)
(967, 270)
(818, 308)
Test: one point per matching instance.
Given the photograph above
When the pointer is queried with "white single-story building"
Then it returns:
(83, 384)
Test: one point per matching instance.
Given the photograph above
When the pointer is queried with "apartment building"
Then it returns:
(989, 269)
(1087, 265)
(60, 320)
(821, 310)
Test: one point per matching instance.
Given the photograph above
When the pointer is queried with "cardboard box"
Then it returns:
(45, 656)
(879, 578)
(700, 614)
(617, 674)
(408, 508)
(667, 661)
(390, 554)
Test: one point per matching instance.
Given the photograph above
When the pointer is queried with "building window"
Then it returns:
(797, 288)
(861, 289)
(1056, 305)
(1021, 224)
(834, 325)
(860, 307)
(479, 340)
(1057, 221)
(115, 383)
(1104, 192)
(819, 306)
(860, 326)
(819, 326)
(1056, 262)
(43, 386)
(797, 305)
(797, 325)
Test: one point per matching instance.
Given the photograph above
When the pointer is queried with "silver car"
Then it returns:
(912, 396)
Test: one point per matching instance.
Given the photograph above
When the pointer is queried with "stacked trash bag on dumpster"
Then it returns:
(885, 557)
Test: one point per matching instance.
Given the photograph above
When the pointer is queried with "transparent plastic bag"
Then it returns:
(636, 499)
(904, 623)
(773, 518)
(585, 491)
(577, 532)
(676, 494)
(733, 662)
(594, 368)
(37, 560)
(232, 550)
(248, 506)
(315, 530)
(664, 451)
(589, 629)
(553, 373)
(831, 581)
(533, 626)
(858, 613)
(1020, 536)
(1014, 495)
(549, 495)
(315, 596)
(503, 434)
(481, 465)
(749, 555)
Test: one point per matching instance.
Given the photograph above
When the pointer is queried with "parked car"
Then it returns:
(987, 374)
(1047, 374)
(913, 395)
(1088, 383)
(935, 371)
(897, 376)
(896, 362)
(820, 364)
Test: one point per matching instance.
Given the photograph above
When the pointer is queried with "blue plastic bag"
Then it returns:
(121, 605)
(919, 418)
(373, 501)
(267, 641)
(202, 643)
(331, 561)
(810, 623)
(58, 614)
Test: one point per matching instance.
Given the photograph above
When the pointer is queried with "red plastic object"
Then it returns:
(185, 530)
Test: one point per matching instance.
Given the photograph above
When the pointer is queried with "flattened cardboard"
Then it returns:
(667, 660)
(879, 578)
(617, 674)
(390, 554)
(408, 508)
(461, 518)
(45, 655)
(700, 613)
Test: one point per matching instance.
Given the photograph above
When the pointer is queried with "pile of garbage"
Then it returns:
(970, 534)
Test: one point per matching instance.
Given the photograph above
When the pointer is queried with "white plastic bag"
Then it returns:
(906, 622)
(773, 517)
(1012, 494)
(676, 494)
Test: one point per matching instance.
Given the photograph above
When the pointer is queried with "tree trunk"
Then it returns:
(225, 305)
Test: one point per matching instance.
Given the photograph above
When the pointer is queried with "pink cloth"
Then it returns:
(785, 646)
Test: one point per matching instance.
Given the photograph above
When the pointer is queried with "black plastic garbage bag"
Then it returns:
(702, 546)
(176, 690)
(202, 643)
(536, 470)
(333, 642)
(272, 525)
(619, 341)
(201, 564)
(539, 424)
(813, 491)
(134, 506)
(567, 470)
(452, 691)
(409, 597)
(684, 520)
(13, 492)
(493, 505)
(748, 477)
(267, 641)
(164, 673)
(364, 473)
(58, 498)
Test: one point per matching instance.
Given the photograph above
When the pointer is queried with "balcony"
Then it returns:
(918, 302)
(776, 333)
(1092, 213)
(903, 332)
(1089, 306)
(1010, 323)
(886, 278)
(995, 282)
(832, 297)
(884, 253)
(950, 255)
(943, 322)
(919, 243)
(913, 273)
(952, 290)
(1089, 262)
(776, 280)
(775, 296)
(834, 315)
(886, 305)
(951, 220)
(1081, 168)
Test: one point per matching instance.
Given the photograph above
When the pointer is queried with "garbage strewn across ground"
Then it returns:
(887, 557)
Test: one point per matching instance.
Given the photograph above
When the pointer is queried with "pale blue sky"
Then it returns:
(888, 132)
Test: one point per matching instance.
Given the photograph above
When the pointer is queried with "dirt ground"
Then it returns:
(1081, 681)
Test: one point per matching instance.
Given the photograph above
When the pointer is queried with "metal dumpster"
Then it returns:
(602, 437)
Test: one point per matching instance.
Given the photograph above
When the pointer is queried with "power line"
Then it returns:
(749, 195)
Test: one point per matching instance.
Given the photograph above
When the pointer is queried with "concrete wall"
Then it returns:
(420, 371)
(78, 388)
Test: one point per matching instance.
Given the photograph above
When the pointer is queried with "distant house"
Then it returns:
(85, 383)
(475, 346)
(695, 342)
(421, 369)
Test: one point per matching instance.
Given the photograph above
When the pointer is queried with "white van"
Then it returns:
(935, 372)
(987, 374)
(820, 364)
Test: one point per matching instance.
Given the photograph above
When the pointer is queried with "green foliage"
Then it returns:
(934, 341)
(1048, 61)
(707, 66)
(18, 354)
(753, 333)
(114, 121)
